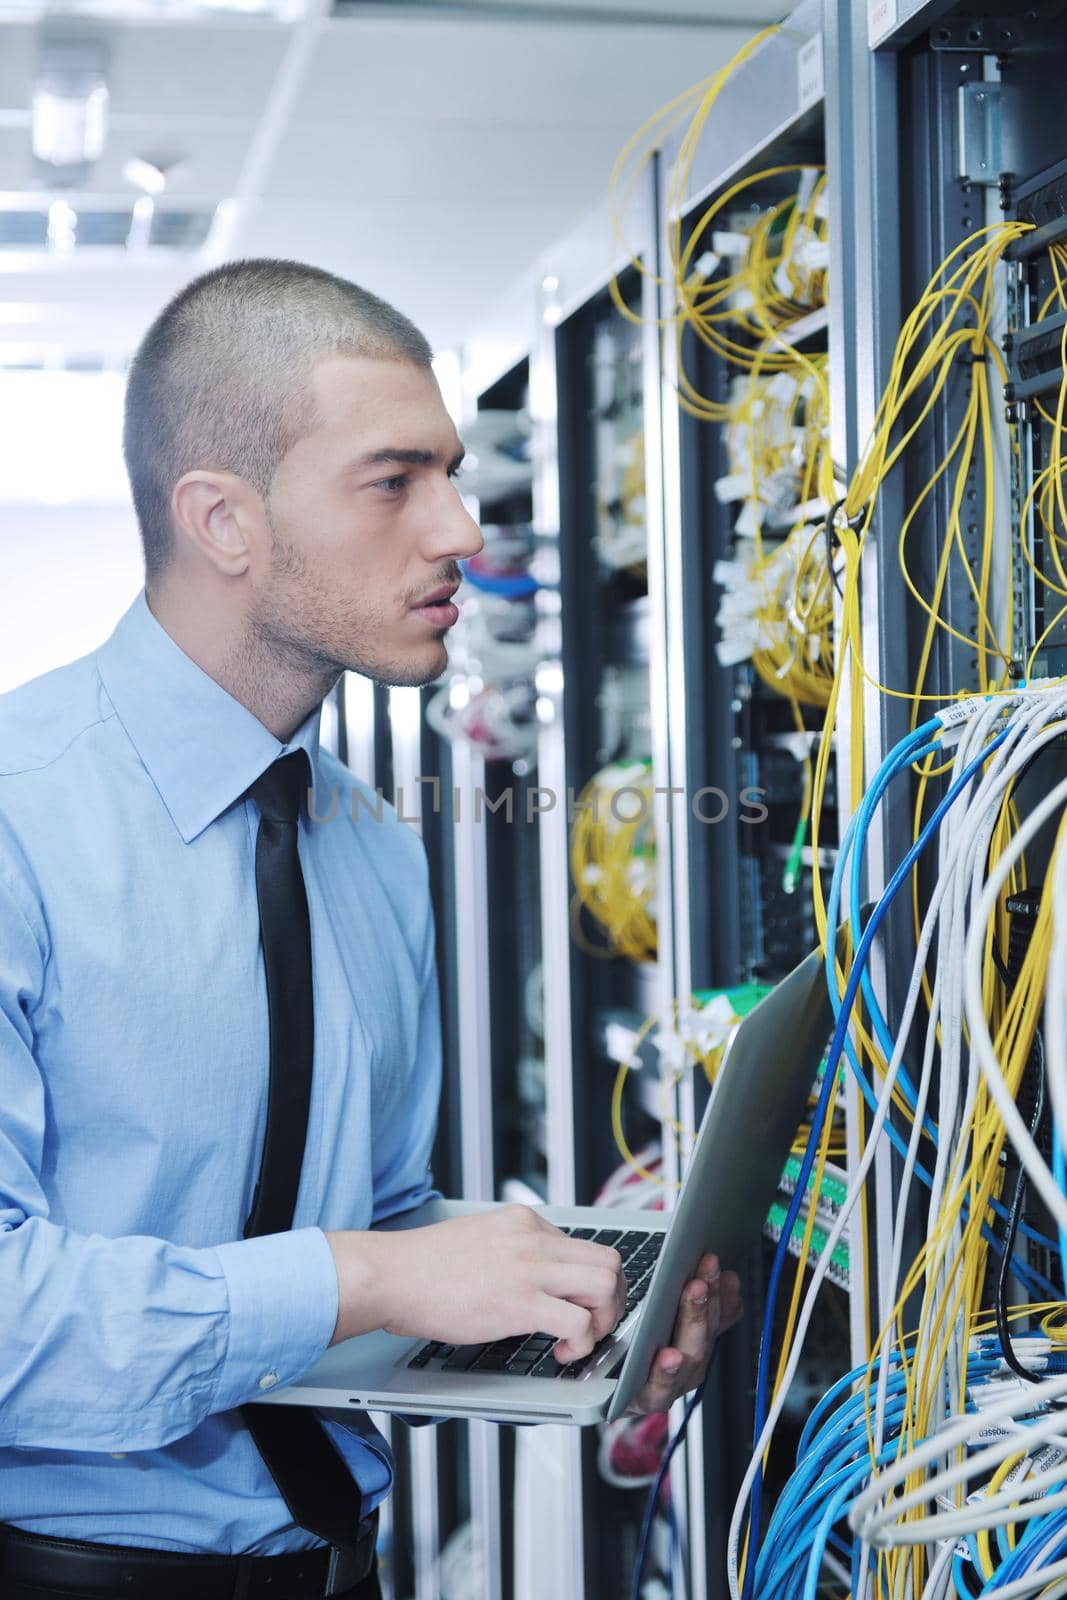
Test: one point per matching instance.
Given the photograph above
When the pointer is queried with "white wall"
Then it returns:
(67, 573)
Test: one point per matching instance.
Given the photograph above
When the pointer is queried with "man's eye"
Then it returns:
(392, 485)
(455, 472)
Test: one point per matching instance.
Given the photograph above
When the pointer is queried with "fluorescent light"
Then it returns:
(144, 209)
(62, 226)
(69, 97)
(69, 128)
(144, 175)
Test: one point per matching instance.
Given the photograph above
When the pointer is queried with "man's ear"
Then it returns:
(218, 512)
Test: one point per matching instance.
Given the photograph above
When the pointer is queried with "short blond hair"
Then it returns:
(220, 378)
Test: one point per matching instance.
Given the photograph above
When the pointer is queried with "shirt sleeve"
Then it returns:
(118, 1344)
(403, 1144)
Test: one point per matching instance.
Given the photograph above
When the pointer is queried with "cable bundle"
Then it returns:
(880, 1496)
(808, 1537)
(947, 335)
(1046, 498)
(954, 1147)
(499, 718)
(776, 610)
(489, 697)
(613, 861)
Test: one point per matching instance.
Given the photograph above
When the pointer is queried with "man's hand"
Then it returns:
(710, 1304)
(488, 1275)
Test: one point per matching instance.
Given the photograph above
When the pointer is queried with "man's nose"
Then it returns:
(458, 536)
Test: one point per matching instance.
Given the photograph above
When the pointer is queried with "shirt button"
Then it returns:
(268, 1380)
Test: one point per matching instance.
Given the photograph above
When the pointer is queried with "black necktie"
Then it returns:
(310, 1474)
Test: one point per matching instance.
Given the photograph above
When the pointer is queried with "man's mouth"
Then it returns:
(438, 608)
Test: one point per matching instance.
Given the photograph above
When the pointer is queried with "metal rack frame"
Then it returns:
(888, 106)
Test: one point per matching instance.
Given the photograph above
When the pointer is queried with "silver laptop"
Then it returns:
(758, 1100)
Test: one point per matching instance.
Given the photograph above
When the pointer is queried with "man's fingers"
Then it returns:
(665, 1382)
(600, 1289)
(698, 1320)
(571, 1324)
(580, 1250)
(582, 1253)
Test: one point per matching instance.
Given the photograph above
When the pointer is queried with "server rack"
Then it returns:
(603, 385)
(734, 920)
(692, 732)
(380, 733)
(874, 92)
(948, 119)
(594, 399)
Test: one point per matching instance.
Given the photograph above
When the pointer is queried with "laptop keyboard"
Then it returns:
(530, 1355)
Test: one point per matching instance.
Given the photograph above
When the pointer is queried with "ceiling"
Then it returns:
(429, 151)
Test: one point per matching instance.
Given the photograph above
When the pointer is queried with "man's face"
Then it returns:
(368, 526)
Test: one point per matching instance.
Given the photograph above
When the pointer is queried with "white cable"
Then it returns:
(937, 1584)
(836, 1569)
(821, 1267)
(963, 845)
(863, 1516)
(946, 909)
(981, 1040)
(1055, 1034)
(1030, 1584)
(986, 1513)
(909, 1463)
(970, 836)
(974, 738)
(822, 1263)
(966, 833)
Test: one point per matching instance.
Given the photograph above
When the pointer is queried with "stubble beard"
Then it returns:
(298, 621)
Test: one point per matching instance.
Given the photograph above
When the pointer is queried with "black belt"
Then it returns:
(143, 1574)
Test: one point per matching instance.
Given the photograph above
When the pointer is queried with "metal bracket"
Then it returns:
(979, 132)
(1036, 26)
(1000, 33)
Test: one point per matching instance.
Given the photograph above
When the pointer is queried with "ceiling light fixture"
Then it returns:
(62, 226)
(151, 176)
(140, 234)
(69, 106)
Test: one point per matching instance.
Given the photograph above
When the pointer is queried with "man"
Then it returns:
(291, 464)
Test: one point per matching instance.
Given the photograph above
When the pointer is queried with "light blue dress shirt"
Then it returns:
(134, 1059)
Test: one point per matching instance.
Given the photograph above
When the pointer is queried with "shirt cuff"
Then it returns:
(283, 1303)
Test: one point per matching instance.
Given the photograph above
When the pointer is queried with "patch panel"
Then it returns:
(832, 1190)
(839, 1271)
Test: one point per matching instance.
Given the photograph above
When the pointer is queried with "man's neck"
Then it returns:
(280, 693)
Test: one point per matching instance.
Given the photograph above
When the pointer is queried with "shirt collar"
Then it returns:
(200, 746)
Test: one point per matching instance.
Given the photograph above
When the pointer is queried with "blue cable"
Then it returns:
(511, 586)
(653, 1494)
(963, 1592)
(803, 1516)
(898, 761)
(814, 1422)
(844, 1012)
(797, 1505)
(840, 1548)
(902, 756)
(1060, 1176)
(831, 1460)
(1018, 1562)
(833, 1513)
(672, 1524)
